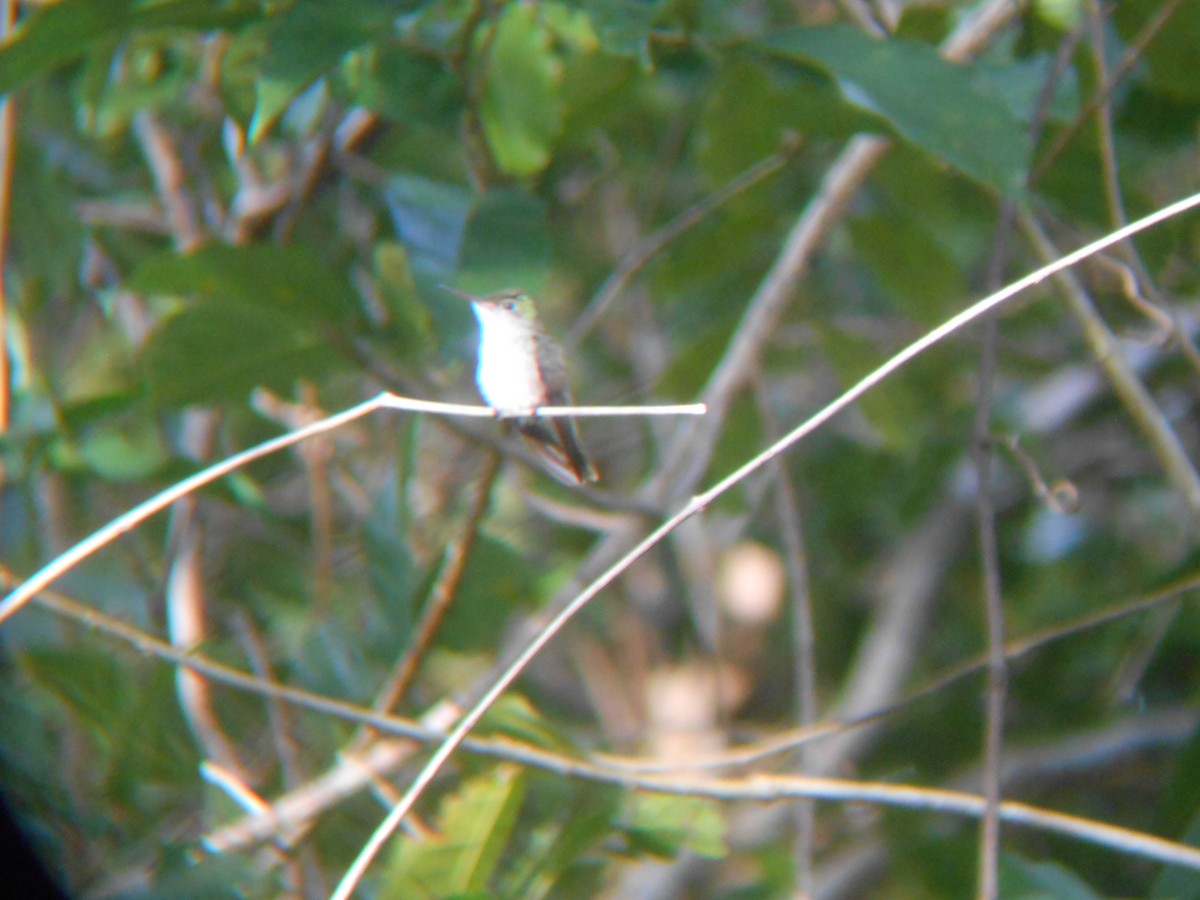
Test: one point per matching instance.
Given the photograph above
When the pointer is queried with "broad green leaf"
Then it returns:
(309, 40)
(46, 228)
(394, 574)
(63, 32)
(219, 351)
(663, 825)
(522, 97)
(506, 243)
(474, 824)
(951, 111)
(1020, 83)
(289, 279)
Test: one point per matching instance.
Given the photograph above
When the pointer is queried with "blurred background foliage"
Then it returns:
(230, 217)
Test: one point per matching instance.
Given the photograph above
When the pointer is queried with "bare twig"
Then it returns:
(163, 499)
(170, 181)
(1123, 68)
(454, 564)
(283, 817)
(1140, 288)
(652, 244)
(1164, 442)
(993, 598)
(278, 717)
(185, 605)
(787, 512)
(1013, 651)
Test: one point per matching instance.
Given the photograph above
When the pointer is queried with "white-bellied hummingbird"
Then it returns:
(522, 368)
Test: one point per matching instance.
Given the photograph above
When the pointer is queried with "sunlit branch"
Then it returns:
(143, 511)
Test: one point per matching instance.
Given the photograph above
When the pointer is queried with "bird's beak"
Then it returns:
(456, 292)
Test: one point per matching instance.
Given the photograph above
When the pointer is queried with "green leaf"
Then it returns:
(1064, 15)
(522, 99)
(494, 584)
(475, 824)
(219, 351)
(951, 111)
(63, 32)
(506, 243)
(393, 572)
(290, 280)
(664, 825)
(307, 41)
(125, 453)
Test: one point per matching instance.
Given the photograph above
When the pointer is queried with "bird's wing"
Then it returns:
(553, 366)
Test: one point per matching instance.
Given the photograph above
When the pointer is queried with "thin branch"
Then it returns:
(134, 517)
(700, 501)
(985, 510)
(989, 553)
(1164, 442)
(454, 564)
(278, 716)
(170, 181)
(689, 454)
(1139, 286)
(756, 787)
(787, 512)
(1013, 651)
(1123, 68)
(633, 261)
(185, 604)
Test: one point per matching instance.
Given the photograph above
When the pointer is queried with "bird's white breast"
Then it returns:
(508, 375)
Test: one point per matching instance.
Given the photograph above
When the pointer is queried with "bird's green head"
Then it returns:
(510, 302)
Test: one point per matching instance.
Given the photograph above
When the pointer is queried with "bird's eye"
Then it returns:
(509, 305)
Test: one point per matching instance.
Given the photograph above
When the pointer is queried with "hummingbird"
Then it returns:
(522, 368)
